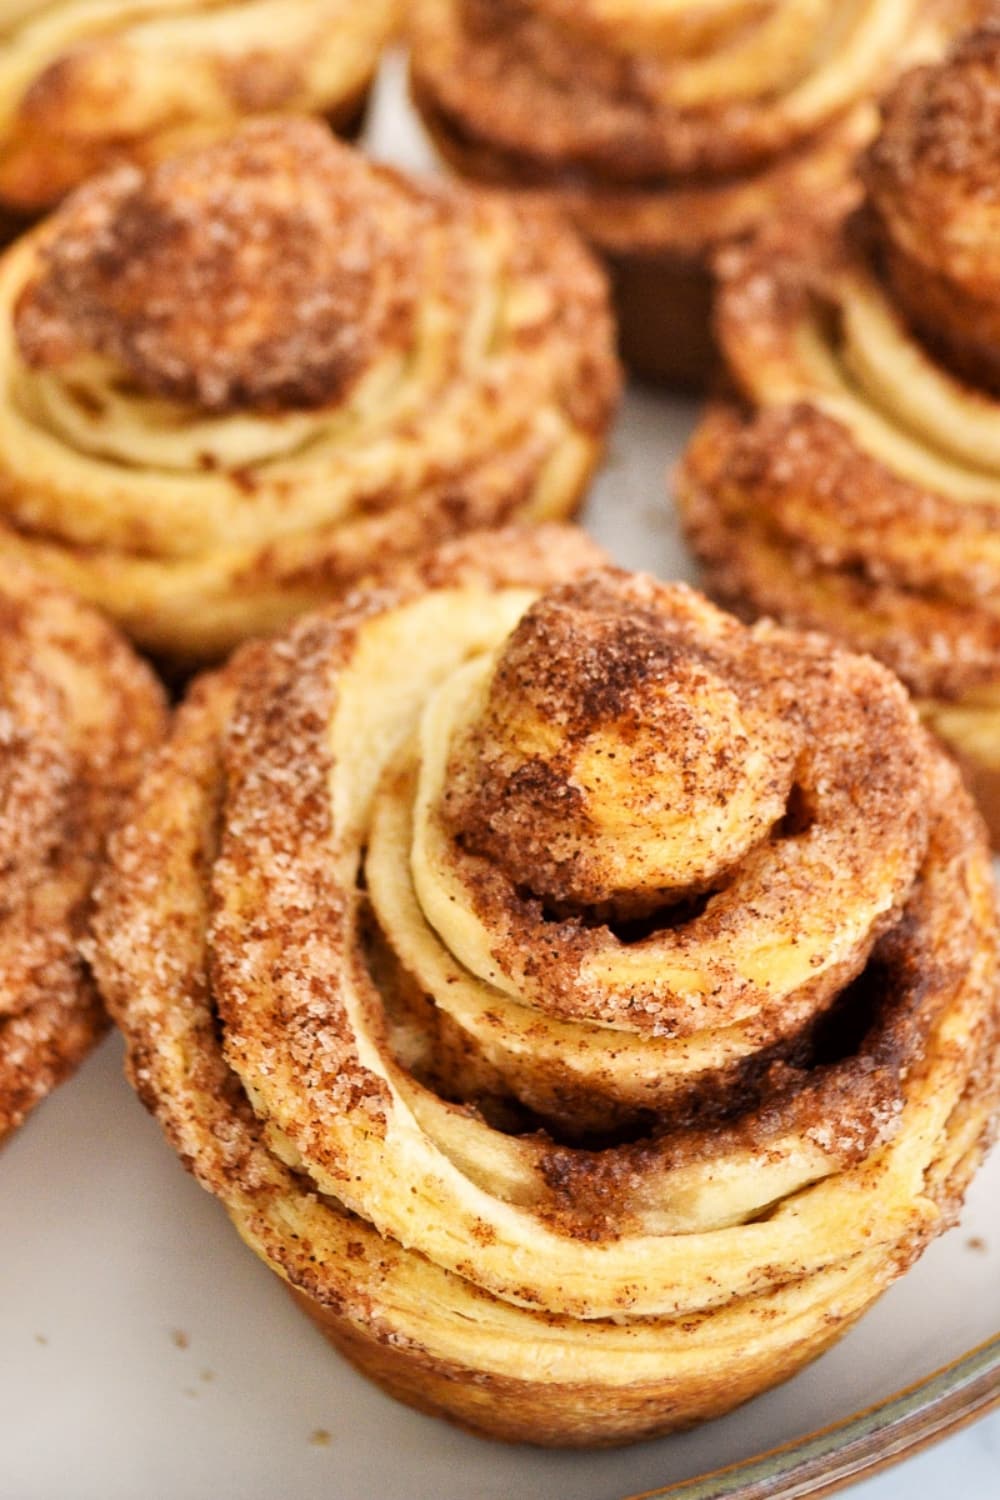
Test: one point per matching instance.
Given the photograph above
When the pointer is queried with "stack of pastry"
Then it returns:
(587, 1004)
(85, 86)
(852, 483)
(77, 712)
(230, 384)
(665, 129)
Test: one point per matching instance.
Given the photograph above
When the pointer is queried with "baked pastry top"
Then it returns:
(670, 127)
(585, 1003)
(77, 713)
(232, 384)
(853, 482)
(86, 85)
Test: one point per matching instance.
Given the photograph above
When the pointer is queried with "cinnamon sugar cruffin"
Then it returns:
(234, 384)
(853, 483)
(84, 88)
(665, 133)
(514, 1187)
(77, 713)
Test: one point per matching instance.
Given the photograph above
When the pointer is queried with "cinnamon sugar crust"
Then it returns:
(140, 82)
(77, 713)
(931, 179)
(935, 633)
(555, 839)
(850, 482)
(237, 278)
(281, 1008)
(581, 94)
(637, 120)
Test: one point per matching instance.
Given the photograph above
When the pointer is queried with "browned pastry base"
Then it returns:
(513, 1411)
(664, 319)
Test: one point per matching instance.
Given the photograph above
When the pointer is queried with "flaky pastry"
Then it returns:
(89, 84)
(77, 713)
(585, 1003)
(854, 485)
(665, 128)
(232, 385)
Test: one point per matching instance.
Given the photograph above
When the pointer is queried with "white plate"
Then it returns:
(146, 1355)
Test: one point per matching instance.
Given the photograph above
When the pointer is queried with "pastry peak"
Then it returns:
(630, 747)
(259, 273)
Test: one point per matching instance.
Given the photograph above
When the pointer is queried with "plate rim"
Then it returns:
(824, 1461)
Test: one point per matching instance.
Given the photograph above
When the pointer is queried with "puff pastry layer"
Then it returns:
(88, 84)
(77, 713)
(586, 1004)
(854, 486)
(665, 129)
(232, 385)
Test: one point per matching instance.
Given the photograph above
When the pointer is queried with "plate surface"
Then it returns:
(146, 1353)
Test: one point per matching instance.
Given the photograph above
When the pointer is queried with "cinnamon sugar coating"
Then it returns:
(851, 481)
(669, 130)
(937, 633)
(607, 726)
(241, 277)
(932, 179)
(87, 90)
(239, 382)
(561, 1223)
(77, 713)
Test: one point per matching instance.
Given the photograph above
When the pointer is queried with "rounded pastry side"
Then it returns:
(234, 384)
(852, 482)
(83, 89)
(78, 712)
(585, 1003)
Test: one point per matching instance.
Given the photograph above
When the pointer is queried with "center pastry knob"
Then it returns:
(621, 756)
(258, 275)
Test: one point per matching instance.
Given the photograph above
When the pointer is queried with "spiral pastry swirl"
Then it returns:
(585, 1003)
(854, 486)
(88, 84)
(77, 713)
(231, 386)
(666, 129)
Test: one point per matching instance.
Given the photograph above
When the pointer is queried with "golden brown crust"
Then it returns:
(582, 93)
(284, 1008)
(851, 482)
(83, 93)
(783, 471)
(660, 133)
(664, 135)
(236, 384)
(209, 281)
(931, 182)
(77, 713)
